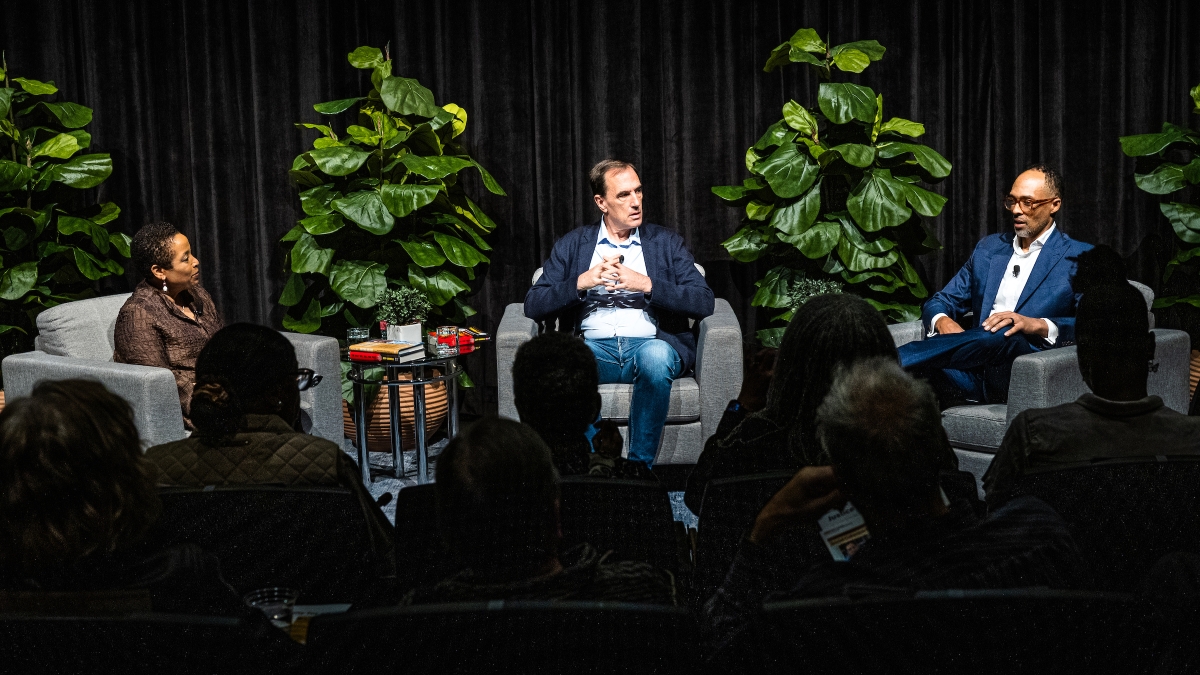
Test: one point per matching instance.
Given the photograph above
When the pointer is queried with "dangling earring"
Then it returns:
(164, 285)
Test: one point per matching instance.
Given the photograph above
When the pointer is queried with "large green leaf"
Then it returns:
(14, 176)
(878, 201)
(855, 154)
(358, 281)
(402, 200)
(15, 238)
(1142, 145)
(746, 245)
(365, 57)
(797, 117)
(776, 134)
(326, 224)
(485, 223)
(335, 107)
(82, 137)
(818, 240)
(773, 289)
(35, 87)
(308, 322)
(489, 182)
(899, 125)
(440, 287)
(120, 241)
(794, 219)
(70, 115)
(293, 291)
(851, 234)
(806, 39)
(780, 56)
(423, 253)
(788, 172)
(315, 201)
(1164, 179)
(339, 160)
(61, 146)
(6, 94)
(309, 256)
(70, 225)
(851, 60)
(458, 251)
(870, 48)
(730, 193)
(17, 280)
(842, 102)
(924, 202)
(407, 97)
(1191, 171)
(1185, 219)
(89, 266)
(927, 157)
(858, 260)
(367, 210)
(84, 171)
(108, 213)
(756, 210)
(435, 167)
(770, 337)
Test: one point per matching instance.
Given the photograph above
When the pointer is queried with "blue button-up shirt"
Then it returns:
(601, 321)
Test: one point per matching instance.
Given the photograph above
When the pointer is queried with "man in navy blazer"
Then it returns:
(1018, 285)
(629, 289)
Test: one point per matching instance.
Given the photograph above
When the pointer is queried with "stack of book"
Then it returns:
(382, 351)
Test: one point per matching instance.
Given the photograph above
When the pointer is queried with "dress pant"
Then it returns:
(972, 366)
(650, 365)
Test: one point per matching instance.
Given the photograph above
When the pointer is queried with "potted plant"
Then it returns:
(833, 191)
(400, 312)
(56, 241)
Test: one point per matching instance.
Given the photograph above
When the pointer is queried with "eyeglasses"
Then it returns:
(307, 378)
(1026, 203)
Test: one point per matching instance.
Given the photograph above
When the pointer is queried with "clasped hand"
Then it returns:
(1020, 324)
(614, 276)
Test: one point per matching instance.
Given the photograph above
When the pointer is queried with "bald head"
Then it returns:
(1035, 197)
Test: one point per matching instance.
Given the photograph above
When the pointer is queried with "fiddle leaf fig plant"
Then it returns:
(1168, 163)
(54, 242)
(384, 206)
(835, 193)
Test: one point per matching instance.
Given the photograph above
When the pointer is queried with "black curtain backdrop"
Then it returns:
(196, 101)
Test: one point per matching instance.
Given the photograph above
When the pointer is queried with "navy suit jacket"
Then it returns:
(679, 293)
(1048, 293)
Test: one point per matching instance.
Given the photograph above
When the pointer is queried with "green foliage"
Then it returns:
(54, 242)
(834, 193)
(1168, 162)
(783, 288)
(385, 210)
(402, 306)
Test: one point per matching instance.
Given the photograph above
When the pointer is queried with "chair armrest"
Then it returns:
(909, 331)
(1043, 380)
(1172, 353)
(150, 391)
(515, 330)
(321, 406)
(718, 365)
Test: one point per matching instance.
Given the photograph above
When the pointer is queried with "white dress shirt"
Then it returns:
(606, 322)
(1012, 285)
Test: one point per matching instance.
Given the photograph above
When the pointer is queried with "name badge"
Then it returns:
(844, 532)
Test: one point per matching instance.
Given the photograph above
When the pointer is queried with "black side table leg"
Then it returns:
(419, 427)
(393, 375)
(360, 428)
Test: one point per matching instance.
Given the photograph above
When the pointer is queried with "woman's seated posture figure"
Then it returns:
(169, 317)
(78, 498)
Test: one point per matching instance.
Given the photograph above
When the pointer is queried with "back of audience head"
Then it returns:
(883, 431)
(1112, 328)
(556, 386)
(497, 500)
(244, 369)
(72, 477)
(828, 332)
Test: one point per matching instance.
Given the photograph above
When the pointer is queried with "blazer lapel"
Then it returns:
(1052, 252)
(996, 269)
(648, 250)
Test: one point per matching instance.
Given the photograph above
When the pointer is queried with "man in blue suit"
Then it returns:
(1018, 285)
(628, 288)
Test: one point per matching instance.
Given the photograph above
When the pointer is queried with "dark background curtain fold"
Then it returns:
(196, 101)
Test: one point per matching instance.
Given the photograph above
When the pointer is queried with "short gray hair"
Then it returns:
(883, 431)
(598, 176)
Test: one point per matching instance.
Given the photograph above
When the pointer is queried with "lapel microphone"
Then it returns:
(1016, 271)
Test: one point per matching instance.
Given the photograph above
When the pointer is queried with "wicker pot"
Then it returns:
(1194, 372)
(379, 424)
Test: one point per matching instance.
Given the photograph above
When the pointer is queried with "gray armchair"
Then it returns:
(697, 402)
(75, 340)
(1048, 379)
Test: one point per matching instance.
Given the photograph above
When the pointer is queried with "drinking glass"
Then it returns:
(276, 603)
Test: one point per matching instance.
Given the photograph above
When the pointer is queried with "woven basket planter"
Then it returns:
(379, 425)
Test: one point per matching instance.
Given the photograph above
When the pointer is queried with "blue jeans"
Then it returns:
(974, 364)
(650, 365)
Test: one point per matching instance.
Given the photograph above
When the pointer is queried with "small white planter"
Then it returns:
(410, 333)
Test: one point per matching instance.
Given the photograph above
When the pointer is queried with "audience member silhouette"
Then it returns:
(777, 431)
(497, 504)
(556, 391)
(882, 431)
(1118, 418)
(245, 406)
(78, 497)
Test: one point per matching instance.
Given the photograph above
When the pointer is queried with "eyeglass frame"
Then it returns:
(307, 378)
(1033, 203)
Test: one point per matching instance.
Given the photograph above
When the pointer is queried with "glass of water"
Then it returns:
(356, 335)
(276, 603)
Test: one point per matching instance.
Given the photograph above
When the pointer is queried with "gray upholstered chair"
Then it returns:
(75, 340)
(697, 402)
(1046, 379)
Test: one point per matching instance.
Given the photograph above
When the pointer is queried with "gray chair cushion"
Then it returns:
(976, 427)
(82, 329)
(684, 407)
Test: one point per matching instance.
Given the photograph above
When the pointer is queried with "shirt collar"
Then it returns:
(635, 237)
(1037, 243)
(1109, 408)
